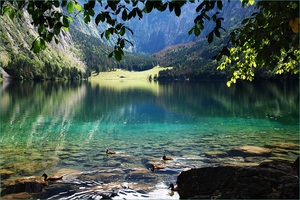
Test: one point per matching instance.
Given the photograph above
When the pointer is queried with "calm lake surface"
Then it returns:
(52, 126)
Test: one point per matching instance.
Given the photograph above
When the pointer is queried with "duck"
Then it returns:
(154, 167)
(46, 178)
(167, 158)
(173, 188)
(109, 152)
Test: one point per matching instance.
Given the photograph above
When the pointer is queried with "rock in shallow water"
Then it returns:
(32, 184)
(250, 151)
(21, 195)
(269, 180)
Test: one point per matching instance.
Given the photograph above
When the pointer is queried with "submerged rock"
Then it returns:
(21, 195)
(283, 145)
(250, 151)
(29, 168)
(275, 179)
(4, 174)
(32, 184)
(215, 154)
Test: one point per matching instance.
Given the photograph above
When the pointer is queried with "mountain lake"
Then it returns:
(65, 127)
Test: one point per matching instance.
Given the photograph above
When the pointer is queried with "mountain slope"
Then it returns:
(57, 61)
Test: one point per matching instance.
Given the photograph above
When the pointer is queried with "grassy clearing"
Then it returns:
(123, 80)
(121, 74)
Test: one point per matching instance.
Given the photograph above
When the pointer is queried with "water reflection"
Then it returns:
(46, 126)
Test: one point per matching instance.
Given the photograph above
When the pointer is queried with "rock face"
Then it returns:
(276, 179)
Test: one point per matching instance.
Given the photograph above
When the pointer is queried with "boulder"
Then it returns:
(274, 179)
(31, 184)
(247, 150)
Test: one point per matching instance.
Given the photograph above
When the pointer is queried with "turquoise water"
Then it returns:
(50, 126)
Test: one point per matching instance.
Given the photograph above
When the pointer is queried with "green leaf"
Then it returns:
(56, 29)
(200, 26)
(36, 46)
(218, 56)
(64, 3)
(245, 21)
(118, 55)
(210, 37)
(191, 31)
(56, 40)
(78, 7)
(177, 10)
(42, 44)
(41, 29)
(122, 31)
(71, 6)
(110, 54)
(225, 51)
(98, 18)
(197, 31)
(122, 44)
(56, 3)
(92, 3)
(107, 34)
(219, 4)
(170, 6)
(87, 19)
(217, 33)
(49, 37)
(129, 29)
(149, 6)
(65, 22)
(124, 15)
(140, 14)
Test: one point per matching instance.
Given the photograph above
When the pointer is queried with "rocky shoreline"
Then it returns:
(257, 172)
(269, 180)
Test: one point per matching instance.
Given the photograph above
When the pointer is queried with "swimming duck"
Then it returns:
(46, 178)
(173, 188)
(167, 157)
(154, 167)
(109, 152)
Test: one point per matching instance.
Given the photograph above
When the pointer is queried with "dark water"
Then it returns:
(52, 126)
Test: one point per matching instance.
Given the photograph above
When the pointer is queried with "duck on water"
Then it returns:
(52, 178)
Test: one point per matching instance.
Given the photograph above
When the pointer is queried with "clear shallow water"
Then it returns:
(49, 126)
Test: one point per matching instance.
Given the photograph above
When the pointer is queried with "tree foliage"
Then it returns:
(268, 38)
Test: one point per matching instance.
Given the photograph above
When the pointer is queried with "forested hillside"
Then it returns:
(196, 60)
(81, 50)
(56, 61)
(95, 54)
(74, 57)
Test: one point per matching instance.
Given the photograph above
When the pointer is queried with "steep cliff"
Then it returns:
(56, 61)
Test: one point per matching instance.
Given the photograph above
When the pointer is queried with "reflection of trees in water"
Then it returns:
(38, 107)
(81, 101)
(256, 100)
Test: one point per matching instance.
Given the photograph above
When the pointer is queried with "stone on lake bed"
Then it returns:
(283, 145)
(5, 173)
(248, 150)
(21, 195)
(67, 172)
(31, 184)
(214, 154)
(29, 168)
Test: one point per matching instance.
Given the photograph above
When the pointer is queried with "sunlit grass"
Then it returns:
(120, 79)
